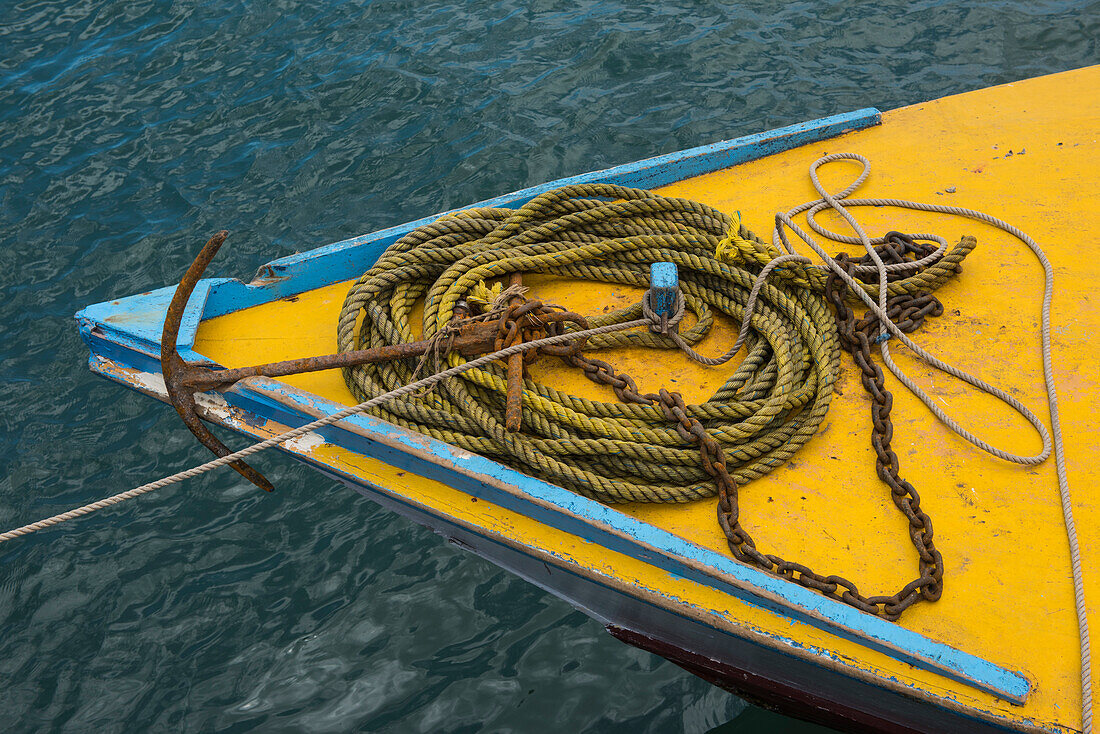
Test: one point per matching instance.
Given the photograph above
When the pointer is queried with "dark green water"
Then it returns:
(130, 130)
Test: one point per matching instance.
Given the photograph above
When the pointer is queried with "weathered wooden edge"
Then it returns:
(245, 420)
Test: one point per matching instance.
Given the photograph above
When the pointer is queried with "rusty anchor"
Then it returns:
(182, 380)
(523, 318)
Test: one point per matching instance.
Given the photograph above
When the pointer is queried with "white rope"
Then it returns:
(319, 423)
(840, 203)
(888, 328)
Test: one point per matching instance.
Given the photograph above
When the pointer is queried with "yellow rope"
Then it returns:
(612, 451)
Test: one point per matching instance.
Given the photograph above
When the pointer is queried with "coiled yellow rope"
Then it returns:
(611, 451)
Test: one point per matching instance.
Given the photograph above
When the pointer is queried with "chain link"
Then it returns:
(908, 312)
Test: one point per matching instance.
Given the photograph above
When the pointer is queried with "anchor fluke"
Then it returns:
(175, 370)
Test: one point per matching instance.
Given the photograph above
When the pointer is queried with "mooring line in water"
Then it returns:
(319, 423)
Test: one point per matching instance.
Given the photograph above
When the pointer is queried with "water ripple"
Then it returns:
(131, 130)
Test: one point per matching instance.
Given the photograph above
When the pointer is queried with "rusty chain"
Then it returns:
(908, 312)
(856, 337)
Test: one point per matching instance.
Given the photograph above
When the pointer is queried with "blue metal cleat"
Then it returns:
(664, 284)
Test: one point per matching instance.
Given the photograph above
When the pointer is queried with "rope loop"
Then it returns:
(664, 324)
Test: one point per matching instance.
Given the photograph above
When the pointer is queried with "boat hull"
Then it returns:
(757, 673)
(996, 653)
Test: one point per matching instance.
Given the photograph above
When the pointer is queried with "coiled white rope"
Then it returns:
(840, 204)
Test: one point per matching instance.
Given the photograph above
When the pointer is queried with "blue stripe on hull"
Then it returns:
(597, 523)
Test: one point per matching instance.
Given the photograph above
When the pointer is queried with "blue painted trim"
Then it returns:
(138, 321)
(597, 523)
(350, 258)
(347, 259)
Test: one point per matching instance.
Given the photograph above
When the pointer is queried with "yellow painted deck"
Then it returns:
(1025, 152)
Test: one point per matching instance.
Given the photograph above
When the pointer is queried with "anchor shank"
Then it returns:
(472, 341)
(513, 411)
